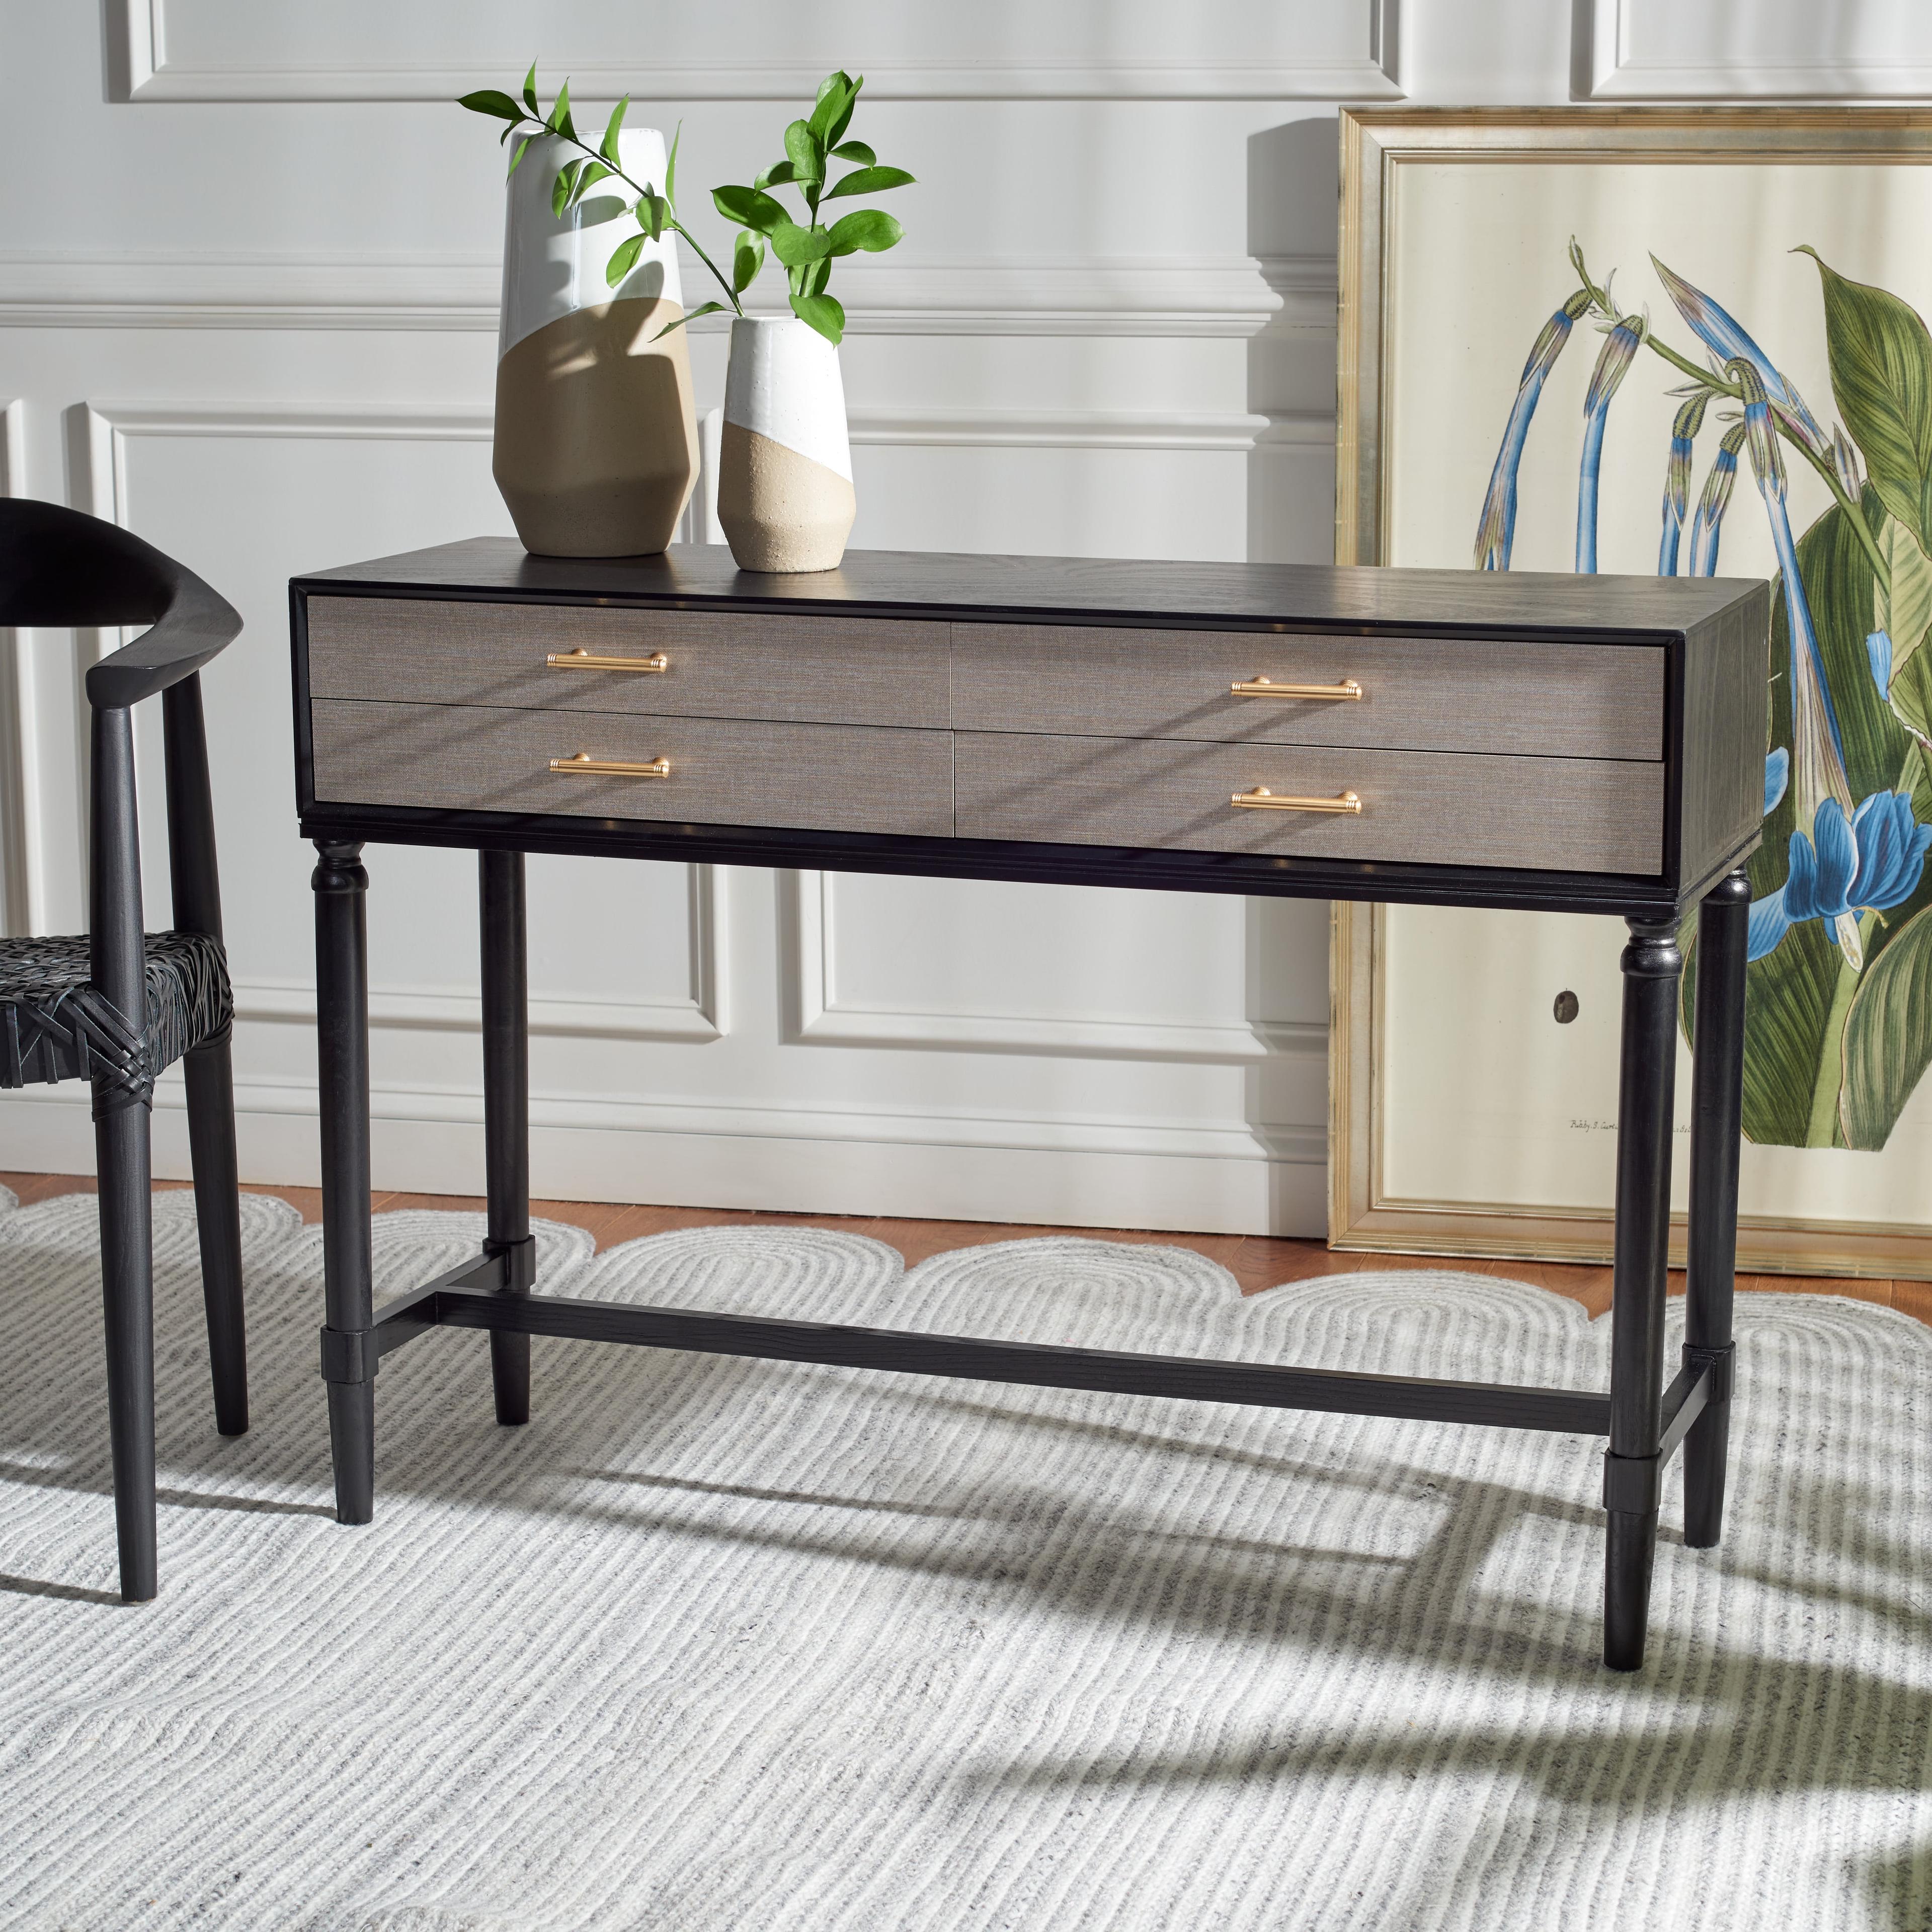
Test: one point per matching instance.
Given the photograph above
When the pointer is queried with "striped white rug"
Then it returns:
(716, 1644)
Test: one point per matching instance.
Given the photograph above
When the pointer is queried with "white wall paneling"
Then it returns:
(1144, 49)
(1770, 49)
(1111, 332)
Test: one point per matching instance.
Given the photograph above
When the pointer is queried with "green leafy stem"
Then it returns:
(1720, 386)
(806, 249)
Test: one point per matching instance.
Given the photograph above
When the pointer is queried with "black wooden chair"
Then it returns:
(117, 1005)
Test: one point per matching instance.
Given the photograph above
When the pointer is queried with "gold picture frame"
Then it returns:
(1377, 148)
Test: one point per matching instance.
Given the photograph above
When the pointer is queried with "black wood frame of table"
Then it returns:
(1645, 1422)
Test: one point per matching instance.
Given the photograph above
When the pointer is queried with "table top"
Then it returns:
(1448, 603)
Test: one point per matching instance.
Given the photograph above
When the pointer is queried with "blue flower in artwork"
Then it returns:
(1878, 650)
(1777, 776)
(1868, 863)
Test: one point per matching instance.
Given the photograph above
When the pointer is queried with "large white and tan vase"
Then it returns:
(596, 438)
(784, 474)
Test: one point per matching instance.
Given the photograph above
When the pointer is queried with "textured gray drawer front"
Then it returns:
(1429, 807)
(1566, 701)
(821, 777)
(830, 670)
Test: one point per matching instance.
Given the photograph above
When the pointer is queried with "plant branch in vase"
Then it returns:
(596, 435)
(785, 498)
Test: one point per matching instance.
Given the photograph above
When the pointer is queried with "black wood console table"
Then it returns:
(1579, 744)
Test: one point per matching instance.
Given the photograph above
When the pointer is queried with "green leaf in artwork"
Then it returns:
(870, 229)
(823, 313)
(855, 151)
(492, 100)
(1905, 615)
(609, 149)
(1881, 360)
(1888, 1037)
(868, 181)
(623, 259)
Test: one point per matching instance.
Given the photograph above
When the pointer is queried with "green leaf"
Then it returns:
(522, 148)
(624, 259)
(703, 308)
(835, 98)
(609, 149)
(1888, 1036)
(855, 151)
(530, 93)
(870, 229)
(795, 246)
(806, 156)
(588, 175)
(559, 122)
(651, 209)
(747, 259)
(868, 181)
(823, 313)
(492, 100)
(670, 166)
(1881, 360)
(1911, 697)
(810, 280)
(560, 189)
(832, 131)
(750, 207)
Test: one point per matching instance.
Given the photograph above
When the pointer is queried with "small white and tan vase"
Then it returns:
(785, 473)
(596, 440)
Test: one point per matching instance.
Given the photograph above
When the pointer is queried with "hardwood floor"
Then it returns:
(1256, 1261)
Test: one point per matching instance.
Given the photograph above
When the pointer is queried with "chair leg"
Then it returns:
(127, 1281)
(217, 1211)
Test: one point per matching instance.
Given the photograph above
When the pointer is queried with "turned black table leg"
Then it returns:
(342, 1005)
(1651, 967)
(1716, 1111)
(506, 1112)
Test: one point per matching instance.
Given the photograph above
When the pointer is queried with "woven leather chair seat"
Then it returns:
(55, 1025)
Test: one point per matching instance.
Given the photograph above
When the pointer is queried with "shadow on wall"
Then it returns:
(1293, 183)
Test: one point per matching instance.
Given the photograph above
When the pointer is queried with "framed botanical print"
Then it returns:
(1690, 342)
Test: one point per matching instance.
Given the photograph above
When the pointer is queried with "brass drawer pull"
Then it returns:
(580, 659)
(1262, 799)
(611, 768)
(1266, 687)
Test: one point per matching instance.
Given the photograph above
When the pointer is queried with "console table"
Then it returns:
(1579, 744)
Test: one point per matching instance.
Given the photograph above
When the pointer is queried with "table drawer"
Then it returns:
(830, 669)
(1424, 808)
(829, 777)
(1417, 693)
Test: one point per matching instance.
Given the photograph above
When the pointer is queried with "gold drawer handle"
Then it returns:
(611, 768)
(1266, 687)
(1262, 799)
(580, 659)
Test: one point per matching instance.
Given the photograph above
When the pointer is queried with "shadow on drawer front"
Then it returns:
(707, 771)
(1424, 808)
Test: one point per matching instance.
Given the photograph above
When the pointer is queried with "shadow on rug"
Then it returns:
(715, 1643)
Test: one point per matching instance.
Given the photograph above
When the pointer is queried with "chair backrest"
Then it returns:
(60, 567)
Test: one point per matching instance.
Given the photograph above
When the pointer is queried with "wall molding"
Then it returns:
(816, 1015)
(144, 71)
(1618, 70)
(110, 424)
(1184, 296)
